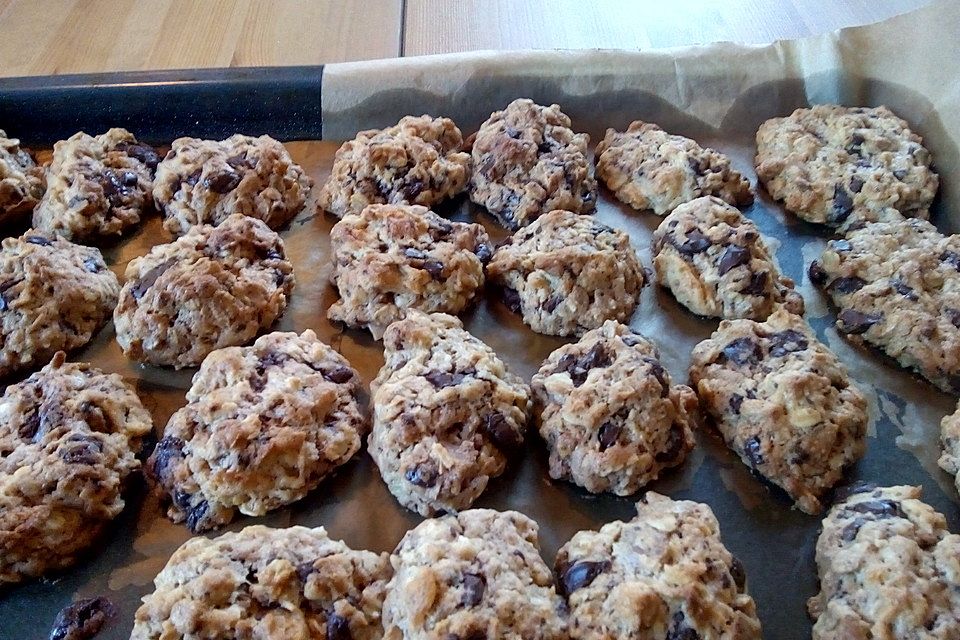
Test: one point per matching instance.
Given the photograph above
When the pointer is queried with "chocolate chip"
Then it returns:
(840, 245)
(473, 588)
(414, 253)
(900, 174)
(860, 486)
(512, 133)
(732, 257)
(443, 379)
(304, 571)
(83, 619)
(842, 204)
(338, 628)
(698, 166)
(658, 372)
(954, 316)
(905, 290)
(4, 301)
(856, 184)
(742, 351)
(757, 286)
(434, 268)
(679, 630)
(581, 574)
(551, 303)
(441, 230)
(854, 322)
(93, 265)
(753, 451)
(82, 450)
(412, 190)
(849, 532)
(339, 375)
(504, 436)
(785, 342)
(676, 441)
(150, 278)
(738, 574)
(578, 368)
(736, 401)
(846, 285)
(598, 228)
(951, 258)
(695, 243)
(196, 515)
(880, 509)
(544, 147)
(483, 252)
(167, 452)
(423, 475)
(817, 274)
(142, 152)
(30, 425)
(608, 435)
(240, 163)
(223, 182)
(194, 177)
(853, 147)
(40, 240)
(510, 298)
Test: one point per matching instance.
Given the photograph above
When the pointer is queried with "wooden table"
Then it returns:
(40, 37)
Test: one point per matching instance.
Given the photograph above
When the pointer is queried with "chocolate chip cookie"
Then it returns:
(897, 285)
(715, 263)
(98, 187)
(21, 180)
(566, 274)
(54, 295)
(527, 162)
(845, 166)
(417, 161)
(650, 169)
(783, 402)
(665, 574)
(888, 568)
(206, 181)
(447, 414)
(391, 258)
(476, 575)
(609, 414)
(950, 445)
(68, 438)
(266, 583)
(214, 287)
(262, 427)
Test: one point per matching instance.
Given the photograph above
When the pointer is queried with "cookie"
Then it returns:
(950, 445)
(447, 414)
(664, 575)
(610, 416)
(68, 438)
(715, 263)
(207, 181)
(214, 287)
(889, 568)
(845, 166)
(528, 162)
(54, 295)
(21, 181)
(416, 161)
(391, 258)
(783, 402)
(266, 583)
(566, 274)
(98, 187)
(652, 170)
(897, 287)
(475, 575)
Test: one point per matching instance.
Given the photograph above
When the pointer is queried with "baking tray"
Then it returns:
(774, 541)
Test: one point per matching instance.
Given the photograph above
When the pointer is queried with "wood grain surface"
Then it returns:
(42, 37)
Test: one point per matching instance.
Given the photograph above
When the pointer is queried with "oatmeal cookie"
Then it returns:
(528, 162)
(664, 575)
(715, 263)
(214, 287)
(207, 181)
(650, 169)
(54, 295)
(889, 569)
(476, 575)
(783, 402)
(68, 438)
(268, 584)
(845, 166)
(950, 445)
(98, 188)
(609, 414)
(897, 285)
(21, 180)
(262, 427)
(416, 161)
(447, 414)
(567, 274)
(391, 258)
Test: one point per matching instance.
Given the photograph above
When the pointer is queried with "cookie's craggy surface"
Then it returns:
(263, 425)
(68, 437)
(474, 576)
(715, 262)
(566, 274)
(897, 285)
(844, 166)
(53, 295)
(609, 414)
(206, 181)
(889, 569)
(447, 414)
(665, 575)
(416, 161)
(214, 287)
(98, 187)
(783, 402)
(268, 584)
(21, 180)
(650, 169)
(950, 445)
(527, 162)
(391, 258)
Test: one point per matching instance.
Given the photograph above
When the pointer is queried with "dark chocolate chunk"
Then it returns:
(194, 177)
(512, 133)
(338, 628)
(695, 243)
(608, 435)
(240, 163)
(142, 152)
(856, 184)
(83, 619)
(951, 258)
(339, 375)
(196, 515)
(434, 268)
(854, 322)
(817, 274)
(736, 401)
(786, 342)
(581, 574)
(442, 379)
(503, 435)
(223, 182)
(732, 257)
(474, 586)
(881, 509)
(412, 190)
(676, 441)
(860, 486)
(414, 253)
(304, 571)
(846, 285)
(757, 286)
(753, 450)
(40, 240)
(483, 252)
(93, 265)
(658, 372)
(167, 452)
(510, 298)
(899, 174)
(849, 532)
(742, 351)
(953, 315)
(842, 204)
(904, 289)
(580, 367)
(738, 574)
(31, 425)
(679, 630)
(424, 474)
(551, 303)
(82, 449)
(150, 278)
(4, 301)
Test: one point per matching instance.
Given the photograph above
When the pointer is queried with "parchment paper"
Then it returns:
(717, 94)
